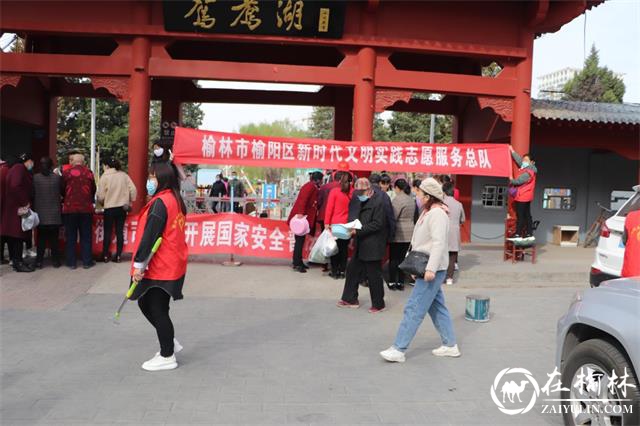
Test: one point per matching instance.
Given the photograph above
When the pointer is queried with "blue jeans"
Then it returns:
(74, 224)
(426, 297)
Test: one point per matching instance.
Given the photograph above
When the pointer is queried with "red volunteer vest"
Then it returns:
(526, 191)
(170, 261)
(631, 262)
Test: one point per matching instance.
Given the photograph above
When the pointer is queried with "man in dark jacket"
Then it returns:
(370, 247)
(78, 190)
(19, 188)
(218, 189)
(47, 203)
(375, 180)
(306, 205)
(236, 187)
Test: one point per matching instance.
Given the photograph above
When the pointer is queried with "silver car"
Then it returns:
(600, 335)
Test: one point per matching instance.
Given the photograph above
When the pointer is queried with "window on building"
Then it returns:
(494, 196)
(559, 199)
(630, 206)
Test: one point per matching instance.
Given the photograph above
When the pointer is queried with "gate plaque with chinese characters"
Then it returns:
(296, 18)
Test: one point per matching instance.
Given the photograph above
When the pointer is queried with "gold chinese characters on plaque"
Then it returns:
(201, 10)
(323, 20)
(291, 14)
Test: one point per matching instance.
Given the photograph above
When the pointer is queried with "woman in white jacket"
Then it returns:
(430, 236)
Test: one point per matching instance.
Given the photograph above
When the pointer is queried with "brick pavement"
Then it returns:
(263, 345)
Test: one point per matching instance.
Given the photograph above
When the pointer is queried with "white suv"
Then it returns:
(610, 250)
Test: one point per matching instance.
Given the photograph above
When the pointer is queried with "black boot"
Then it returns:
(22, 267)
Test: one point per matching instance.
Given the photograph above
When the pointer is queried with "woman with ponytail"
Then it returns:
(160, 275)
(337, 212)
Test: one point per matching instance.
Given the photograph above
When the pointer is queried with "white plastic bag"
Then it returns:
(330, 247)
(317, 253)
(30, 221)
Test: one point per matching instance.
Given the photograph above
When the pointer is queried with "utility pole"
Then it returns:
(93, 135)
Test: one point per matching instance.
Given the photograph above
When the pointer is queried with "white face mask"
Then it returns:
(158, 152)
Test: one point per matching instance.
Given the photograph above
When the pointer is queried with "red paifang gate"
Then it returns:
(368, 55)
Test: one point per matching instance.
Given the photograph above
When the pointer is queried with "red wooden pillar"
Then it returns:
(521, 125)
(364, 96)
(140, 94)
(343, 115)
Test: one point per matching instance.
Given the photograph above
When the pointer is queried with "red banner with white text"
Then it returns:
(192, 146)
(226, 233)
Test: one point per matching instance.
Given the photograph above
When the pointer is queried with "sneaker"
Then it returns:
(376, 310)
(449, 281)
(455, 267)
(392, 355)
(451, 351)
(158, 363)
(391, 286)
(516, 237)
(343, 304)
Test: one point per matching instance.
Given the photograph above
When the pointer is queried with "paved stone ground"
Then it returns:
(263, 345)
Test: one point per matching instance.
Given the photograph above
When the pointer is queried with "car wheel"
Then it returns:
(593, 361)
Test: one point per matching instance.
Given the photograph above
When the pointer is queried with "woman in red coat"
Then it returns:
(19, 185)
(338, 213)
(306, 205)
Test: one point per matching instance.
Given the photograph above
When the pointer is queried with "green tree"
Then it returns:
(280, 128)
(321, 125)
(415, 127)
(594, 83)
(74, 127)
(112, 125)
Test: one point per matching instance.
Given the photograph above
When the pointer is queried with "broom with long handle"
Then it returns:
(134, 283)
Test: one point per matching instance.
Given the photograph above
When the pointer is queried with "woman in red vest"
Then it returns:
(162, 217)
(525, 184)
(631, 240)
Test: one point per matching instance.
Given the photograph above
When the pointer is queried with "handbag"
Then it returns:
(415, 263)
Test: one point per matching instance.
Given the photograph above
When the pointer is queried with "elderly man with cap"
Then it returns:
(19, 189)
(430, 236)
(370, 247)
